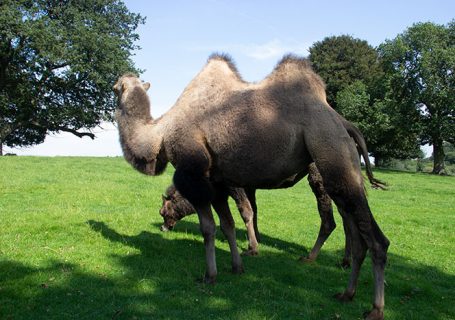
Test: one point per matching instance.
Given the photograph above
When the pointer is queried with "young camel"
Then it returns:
(175, 207)
(223, 131)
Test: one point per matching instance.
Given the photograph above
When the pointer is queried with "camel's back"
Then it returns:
(252, 127)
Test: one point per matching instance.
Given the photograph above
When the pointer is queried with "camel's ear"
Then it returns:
(146, 86)
(118, 87)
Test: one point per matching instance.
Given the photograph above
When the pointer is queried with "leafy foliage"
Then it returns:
(358, 89)
(342, 60)
(387, 137)
(421, 63)
(58, 60)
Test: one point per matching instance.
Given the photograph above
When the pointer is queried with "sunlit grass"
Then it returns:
(79, 239)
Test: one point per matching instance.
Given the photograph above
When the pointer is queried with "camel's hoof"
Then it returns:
(238, 269)
(250, 252)
(305, 260)
(344, 297)
(207, 279)
(374, 314)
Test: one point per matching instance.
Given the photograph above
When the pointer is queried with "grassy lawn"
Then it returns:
(80, 239)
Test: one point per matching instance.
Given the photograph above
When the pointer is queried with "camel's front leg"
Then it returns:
(246, 211)
(227, 224)
(191, 180)
(207, 226)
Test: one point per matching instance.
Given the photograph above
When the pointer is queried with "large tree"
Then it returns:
(386, 134)
(58, 61)
(421, 65)
(357, 88)
(343, 60)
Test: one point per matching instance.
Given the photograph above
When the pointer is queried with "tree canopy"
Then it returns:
(357, 88)
(58, 61)
(386, 136)
(420, 63)
(343, 60)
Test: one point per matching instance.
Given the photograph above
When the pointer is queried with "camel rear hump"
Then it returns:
(295, 75)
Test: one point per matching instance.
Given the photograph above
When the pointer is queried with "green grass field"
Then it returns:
(80, 239)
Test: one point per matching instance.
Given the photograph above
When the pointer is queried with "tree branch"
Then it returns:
(53, 66)
(77, 133)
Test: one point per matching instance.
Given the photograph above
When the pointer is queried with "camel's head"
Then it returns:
(130, 85)
(174, 208)
(168, 213)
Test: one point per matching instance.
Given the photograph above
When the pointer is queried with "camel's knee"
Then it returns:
(326, 214)
(328, 225)
(379, 253)
(246, 212)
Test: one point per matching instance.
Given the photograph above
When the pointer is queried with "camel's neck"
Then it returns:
(141, 139)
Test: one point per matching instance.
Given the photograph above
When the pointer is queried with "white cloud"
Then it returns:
(274, 49)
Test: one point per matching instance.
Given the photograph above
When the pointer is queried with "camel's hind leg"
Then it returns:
(359, 250)
(346, 262)
(207, 226)
(336, 158)
(365, 234)
(251, 194)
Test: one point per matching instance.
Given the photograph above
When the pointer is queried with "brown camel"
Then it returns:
(223, 131)
(175, 207)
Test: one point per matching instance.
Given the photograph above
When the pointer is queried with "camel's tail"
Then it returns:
(355, 133)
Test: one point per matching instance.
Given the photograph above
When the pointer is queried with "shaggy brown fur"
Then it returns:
(175, 207)
(223, 132)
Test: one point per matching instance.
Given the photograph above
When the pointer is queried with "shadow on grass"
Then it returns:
(266, 240)
(158, 282)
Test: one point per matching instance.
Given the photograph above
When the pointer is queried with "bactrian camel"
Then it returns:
(225, 132)
(175, 207)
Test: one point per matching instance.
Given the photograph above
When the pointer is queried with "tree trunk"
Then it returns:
(438, 157)
(1, 148)
(377, 161)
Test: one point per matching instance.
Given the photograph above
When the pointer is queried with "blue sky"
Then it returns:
(178, 36)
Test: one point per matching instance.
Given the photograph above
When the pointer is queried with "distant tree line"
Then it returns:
(400, 94)
(59, 59)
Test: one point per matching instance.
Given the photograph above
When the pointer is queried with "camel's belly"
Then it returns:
(261, 160)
